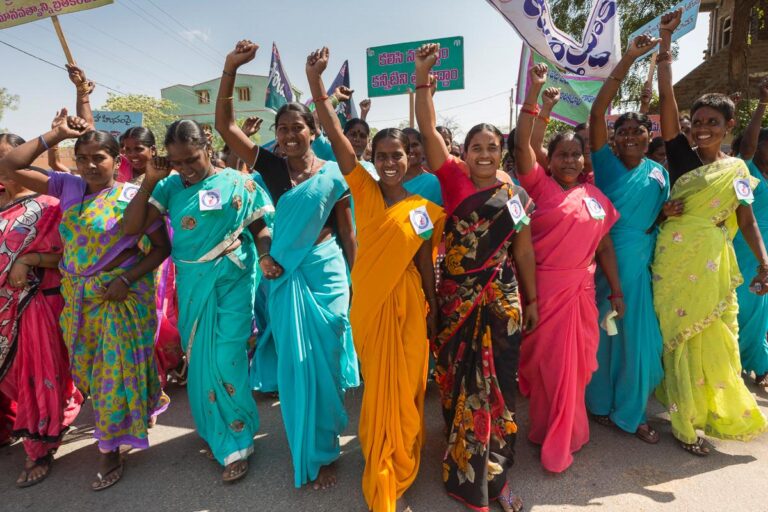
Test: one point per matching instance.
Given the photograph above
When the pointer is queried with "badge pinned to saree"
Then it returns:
(517, 212)
(743, 191)
(128, 193)
(595, 208)
(210, 199)
(421, 222)
(658, 177)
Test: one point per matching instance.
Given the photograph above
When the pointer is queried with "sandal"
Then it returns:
(511, 500)
(696, 448)
(603, 420)
(111, 477)
(43, 462)
(762, 380)
(647, 434)
(235, 471)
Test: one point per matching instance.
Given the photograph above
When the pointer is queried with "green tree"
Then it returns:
(571, 16)
(158, 113)
(8, 101)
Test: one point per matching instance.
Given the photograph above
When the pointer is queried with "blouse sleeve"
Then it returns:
(606, 166)
(161, 195)
(65, 186)
(274, 172)
(680, 157)
(455, 185)
(534, 181)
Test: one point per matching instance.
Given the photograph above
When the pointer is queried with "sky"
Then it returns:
(142, 46)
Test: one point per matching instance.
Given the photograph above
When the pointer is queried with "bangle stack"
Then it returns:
(45, 144)
(125, 280)
(227, 73)
(262, 256)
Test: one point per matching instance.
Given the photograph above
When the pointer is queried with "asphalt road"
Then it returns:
(614, 472)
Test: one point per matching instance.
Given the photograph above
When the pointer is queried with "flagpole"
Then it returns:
(62, 40)
(411, 108)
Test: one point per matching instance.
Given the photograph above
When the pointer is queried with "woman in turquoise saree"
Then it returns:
(308, 302)
(629, 360)
(216, 215)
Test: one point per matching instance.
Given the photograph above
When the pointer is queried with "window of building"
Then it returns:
(244, 93)
(725, 38)
(203, 97)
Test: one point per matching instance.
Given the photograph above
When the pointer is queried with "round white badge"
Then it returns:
(743, 188)
(211, 199)
(420, 219)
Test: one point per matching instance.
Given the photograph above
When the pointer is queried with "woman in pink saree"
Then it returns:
(570, 233)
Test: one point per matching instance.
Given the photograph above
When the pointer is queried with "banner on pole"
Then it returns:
(687, 21)
(391, 69)
(18, 12)
(596, 54)
(116, 122)
(278, 87)
(577, 93)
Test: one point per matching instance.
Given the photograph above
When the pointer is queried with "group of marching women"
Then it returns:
(587, 289)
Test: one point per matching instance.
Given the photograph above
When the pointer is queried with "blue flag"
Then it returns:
(278, 88)
(346, 109)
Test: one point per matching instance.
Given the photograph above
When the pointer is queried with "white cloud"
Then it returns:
(191, 35)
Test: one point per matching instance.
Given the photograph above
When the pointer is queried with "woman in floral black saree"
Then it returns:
(481, 315)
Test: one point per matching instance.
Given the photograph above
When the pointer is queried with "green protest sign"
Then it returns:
(391, 68)
(577, 93)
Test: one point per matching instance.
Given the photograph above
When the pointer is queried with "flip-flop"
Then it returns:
(104, 482)
(647, 434)
(45, 461)
(603, 420)
(229, 476)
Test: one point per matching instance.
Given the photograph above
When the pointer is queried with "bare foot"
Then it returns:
(402, 506)
(326, 477)
(509, 501)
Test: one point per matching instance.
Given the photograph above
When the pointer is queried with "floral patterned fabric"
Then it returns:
(695, 275)
(478, 345)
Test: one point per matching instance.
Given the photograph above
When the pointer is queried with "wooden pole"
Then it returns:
(62, 40)
(411, 107)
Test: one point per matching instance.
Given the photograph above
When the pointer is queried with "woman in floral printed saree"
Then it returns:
(487, 239)
(109, 315)
(696, 273)
(34, 366)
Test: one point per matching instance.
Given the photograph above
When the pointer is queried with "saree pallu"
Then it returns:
(216, 283)
(34, 368)
(629, 363)
(427, 186)
(753, 308)
(7, 417)
(557, 359)
(111, 343)
(695, 277)
(478, 347)
(389, 323)
(308, 312)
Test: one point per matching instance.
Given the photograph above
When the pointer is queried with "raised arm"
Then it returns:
(317, 61)
(14, 165)
(598, 128)
(84, 89)
(525, 156)
(140, 214)
(549, 99)
(365, 107)
(670, 116)
(749, 139)
(434, 146)
(645, 99)
(233, 136)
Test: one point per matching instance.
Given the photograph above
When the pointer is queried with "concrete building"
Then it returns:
(712, 74)
(198, 102)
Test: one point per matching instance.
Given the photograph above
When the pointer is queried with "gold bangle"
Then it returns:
(226, 99)
(615, 78)
(763, 103)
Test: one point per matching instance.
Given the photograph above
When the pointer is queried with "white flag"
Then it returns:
(596, 54)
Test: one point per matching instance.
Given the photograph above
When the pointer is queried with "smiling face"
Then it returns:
(483, 154)
(709, 127)
(631, 140)
(390, 160)
(95, 165)
(416, 153)
(293, 134)
(191, 162)
(137, 153)
(566, 161)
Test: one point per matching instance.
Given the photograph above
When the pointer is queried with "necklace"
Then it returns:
(210, 172)
(303, 175)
